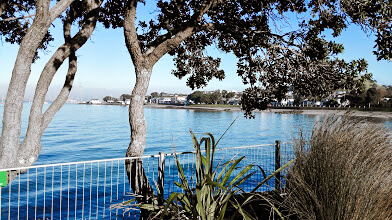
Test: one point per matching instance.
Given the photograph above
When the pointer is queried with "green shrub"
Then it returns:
(344, 172)
(215, 190)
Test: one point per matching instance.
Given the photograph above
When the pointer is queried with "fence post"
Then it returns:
(277, 164)
(161, 175)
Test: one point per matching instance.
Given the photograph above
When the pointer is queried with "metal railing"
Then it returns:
(86, 190)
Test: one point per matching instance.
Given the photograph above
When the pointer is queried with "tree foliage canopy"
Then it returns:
(270, 59)
(16, 17)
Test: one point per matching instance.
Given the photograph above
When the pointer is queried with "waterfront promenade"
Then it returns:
(298, 110)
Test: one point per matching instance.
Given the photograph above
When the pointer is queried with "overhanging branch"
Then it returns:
(17, 18)
(181, 35)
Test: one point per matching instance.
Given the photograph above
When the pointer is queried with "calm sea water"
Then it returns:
(89, 132)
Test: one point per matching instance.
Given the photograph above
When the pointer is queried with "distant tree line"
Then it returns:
(123, 97)
(215, 97)
(374, 96)
(159, 94)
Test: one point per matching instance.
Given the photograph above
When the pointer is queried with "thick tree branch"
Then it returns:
(64, 93)
(43, 8)
(182, 35)
(75, 43)
(130, 33)
(37, 121)
(60, 6)
(170, 44)
(3, 4)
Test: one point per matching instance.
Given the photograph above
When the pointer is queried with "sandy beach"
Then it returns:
(370, 114)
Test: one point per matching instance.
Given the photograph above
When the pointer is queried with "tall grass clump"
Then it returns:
(343, 172)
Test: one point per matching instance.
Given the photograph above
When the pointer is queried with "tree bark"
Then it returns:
(38, 122)
(12, 121)
(12, 152)
(136, 174)
(143, 63)
(136, 112)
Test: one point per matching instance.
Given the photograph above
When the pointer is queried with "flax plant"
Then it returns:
(214, 187)
(214, 190)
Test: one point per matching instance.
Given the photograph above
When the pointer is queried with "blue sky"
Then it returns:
(105, 67)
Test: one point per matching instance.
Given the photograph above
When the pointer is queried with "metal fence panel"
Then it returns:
(86, 190)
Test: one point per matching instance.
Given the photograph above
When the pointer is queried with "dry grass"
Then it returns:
(346, 173)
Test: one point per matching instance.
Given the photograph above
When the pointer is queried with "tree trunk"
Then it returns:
(143, 62)
(12, 115)
(12, 152)
(136, 174)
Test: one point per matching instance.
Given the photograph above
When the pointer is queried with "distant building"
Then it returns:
(178, 99)
(164, 100)
(127, 101)
(234, 101)
(154, 100)
(71, 101)
(95, 101)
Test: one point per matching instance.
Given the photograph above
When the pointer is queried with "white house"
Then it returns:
(164, 100)
(127, 101)
(178, 99)
(95, 101)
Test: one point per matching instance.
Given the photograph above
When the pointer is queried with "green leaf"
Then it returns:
(244, 179)
(185, 202)
(181, 173)
(240, 174)
(245, 215)
(222, 212)
(213, 150)
(230, 170)
(226, 131)
(216, 184)
(170, 200)
(273, 174)
(180, 185)
(223, 171)
(149, 207)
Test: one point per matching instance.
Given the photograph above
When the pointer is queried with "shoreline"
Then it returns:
(370, 114)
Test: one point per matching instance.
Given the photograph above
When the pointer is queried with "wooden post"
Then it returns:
(161, 176)
(277, 164)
